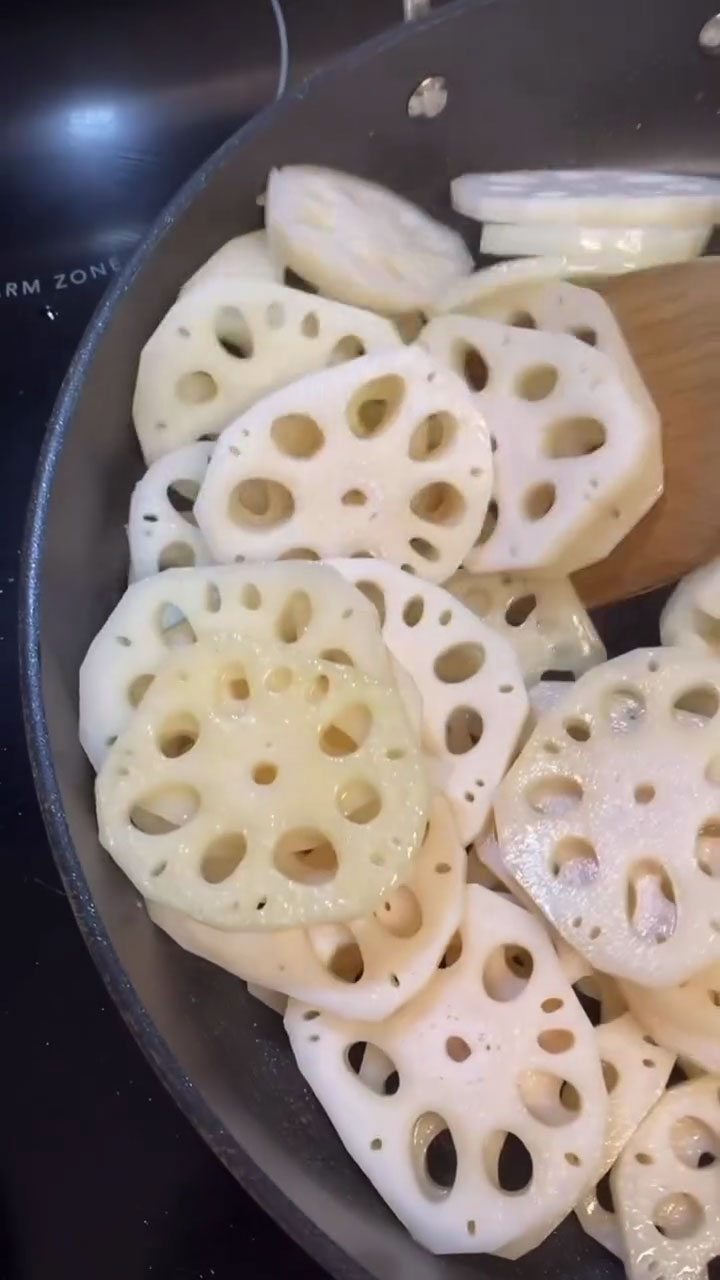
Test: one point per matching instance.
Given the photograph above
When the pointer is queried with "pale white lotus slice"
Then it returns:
(273, 1000)
(547, 694)
(543, 619)
(589, 197)
(611, 249)
(258, 789)
(606, 815)
(387, 456)
(666, 1186)
(572, 441)
(309, 607)
(636, 1071)
(691, 616)
(481, 1057)
(685, 1018)
(474, 704)
(227, 343)
(373, 965)
(492, 284)
(162, 529)
(358, 242)
(600, 1223)
(244, 257)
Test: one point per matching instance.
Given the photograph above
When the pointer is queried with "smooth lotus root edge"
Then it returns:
(246, 257)
(578, 457)
(472, 1054)
(666, 1186)
(272, 1000)
(162, 529)
(357, 241)
(599, 1222)
(544, 620)
(691, 616)
(385, 456)
(307, 606)
(227, 343)
(365, 969)
(608, 817)
(255, 788)
(474, 704)
(684, 1018)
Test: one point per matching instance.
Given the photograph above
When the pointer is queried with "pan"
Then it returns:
(513, 84)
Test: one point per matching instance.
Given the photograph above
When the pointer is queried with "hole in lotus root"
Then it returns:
(413, 611)
(373, 1067)
(623, 707)
(650, 901)
(521, 320)
(489, 524)
(138, 688)
(318, 689)
(178, 735)
(346, 348)
(508, 1163)
(222, 857)
(310, 325)
(175, 630)
(234, 684)
(463, 730)
(578, 728)
(279, 679)
(347, 732)
(548, 1098)
(359, 801)
(574, 438)
(644, 793)
(452, 952)
(584, 333)
(213, 599)
(376, 596)
(306, 856)
(554, 796)
(165, 809)
(707, 848)
(400, 913)
(557, 1040)
(471, 365)
(234, 333)
(678, 1216)
(434, 1155)
(258, 503)
(457, 1049)
(340, 657)
(294, 618)
(519, 610)
(610, 1074)
(460, 662)
(694, 1143)
(196, 388)
(438, 503)
(539, 500)
(537, 382)
(353, 498)
(250, 597)
(264, 773)
(426, 550)
(603, 1191)
(176, 555)
(297, 435)
(432, 437)
(275, 315)
(575, 860)
(507, 971)
(697, 706)
(374, 406)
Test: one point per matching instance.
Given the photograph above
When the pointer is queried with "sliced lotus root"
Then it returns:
(636, 1071)
(359, 242)
(245, 257)
(544, 620)
(684, 1018)
(366, 968)
(597, 1217)
(255, 788)
(666, 1186)
(502, 278)
(608, 818)
(548, 694)
(229, 342)
(610, 249)
(691, 616)
(162, 529)
(474, 704)
(387, 456)
(490, 1090)
(485, 851)
(273, 1000)
(308, 607)
(570, 436)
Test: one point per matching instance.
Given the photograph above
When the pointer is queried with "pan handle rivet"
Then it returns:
(429, 99)
(709, 38)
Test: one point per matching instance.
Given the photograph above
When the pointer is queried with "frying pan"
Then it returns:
(530, 83)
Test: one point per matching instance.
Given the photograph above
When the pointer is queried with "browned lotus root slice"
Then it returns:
(484, 1111)
(606, 815)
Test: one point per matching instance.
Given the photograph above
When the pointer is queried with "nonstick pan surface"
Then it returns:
(530, 83)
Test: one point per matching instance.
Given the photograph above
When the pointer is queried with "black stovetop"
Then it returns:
(108, 107)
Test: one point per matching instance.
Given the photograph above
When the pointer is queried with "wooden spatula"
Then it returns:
(670, 317)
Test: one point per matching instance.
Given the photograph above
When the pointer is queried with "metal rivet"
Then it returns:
(709, 38)
(429, 99)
